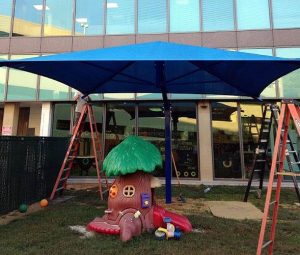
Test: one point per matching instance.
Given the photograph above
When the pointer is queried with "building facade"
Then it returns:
(213, 136)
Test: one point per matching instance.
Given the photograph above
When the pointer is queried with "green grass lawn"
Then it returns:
(47, 232)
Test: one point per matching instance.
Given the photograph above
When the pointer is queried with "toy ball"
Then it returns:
(23, 208)
(43, 202)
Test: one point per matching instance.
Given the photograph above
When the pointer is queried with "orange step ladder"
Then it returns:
(73, 150)
(288, 110)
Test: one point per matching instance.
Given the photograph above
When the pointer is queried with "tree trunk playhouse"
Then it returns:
(131, 202)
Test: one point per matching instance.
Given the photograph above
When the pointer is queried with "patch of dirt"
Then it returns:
(15, 215)
(191, 206)
(234, 210)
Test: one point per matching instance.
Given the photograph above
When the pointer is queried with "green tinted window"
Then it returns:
(61, 119)
(3, 71)
(53, 90)
(21, 85)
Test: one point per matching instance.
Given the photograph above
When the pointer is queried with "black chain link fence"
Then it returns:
(28, 168)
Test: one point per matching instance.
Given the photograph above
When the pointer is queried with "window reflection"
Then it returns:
(61, 120)
(152, 16)
(53, 90)
(184, 139)
(3, 72)
(28, 18)
(288, 85)
(217, 15)
(120, 123)
(226, 148)
(251, 119)
(120, 17)
(151, 127)
(286, 14)
(5, 17)
(118, 96)
(58, 17)
(89, 17)
(184, 16)
(21, 85)
(253, 14)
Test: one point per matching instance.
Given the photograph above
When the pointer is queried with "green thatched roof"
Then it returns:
(131, 155)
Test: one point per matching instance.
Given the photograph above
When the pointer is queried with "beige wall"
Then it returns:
(46, 119)
(205, 142)
(35, 118)
(10, 119)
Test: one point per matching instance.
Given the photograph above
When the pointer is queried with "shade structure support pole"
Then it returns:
(161, 82)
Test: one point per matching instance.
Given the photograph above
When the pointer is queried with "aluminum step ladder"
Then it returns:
(73, 151)
(260, 159)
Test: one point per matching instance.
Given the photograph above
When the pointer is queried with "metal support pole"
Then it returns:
(161, 82)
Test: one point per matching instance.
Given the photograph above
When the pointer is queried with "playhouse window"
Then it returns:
(128, 191)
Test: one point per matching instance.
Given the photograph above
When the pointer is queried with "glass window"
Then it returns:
(21, 85)
(217, 15)
(58, 17)
(95, 97)
(145, 96)
(264, 51)
(289, 84)
(226, 146)
(120, 122)
(270, 91)
(28, 18)
(184, 16)
(286, 14)
(253, 14)
(120, 17)
(152, 16)
(61, 120)
(251, 119)
(3, 72)
(5, 17)
(184, 139)
(151, 127)
(89, 17)
(118, 96)
(53, 90)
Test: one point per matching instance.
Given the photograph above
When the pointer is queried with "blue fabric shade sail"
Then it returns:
(160, 67)
(187, 69)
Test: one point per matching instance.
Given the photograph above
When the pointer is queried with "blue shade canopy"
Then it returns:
(187, 69)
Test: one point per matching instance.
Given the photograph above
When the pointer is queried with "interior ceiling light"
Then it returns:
(39, 7)
(112, 5)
